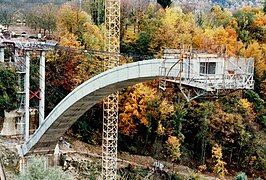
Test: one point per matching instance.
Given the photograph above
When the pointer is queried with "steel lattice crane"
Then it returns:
(110, 104)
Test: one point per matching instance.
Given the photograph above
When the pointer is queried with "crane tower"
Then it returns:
(110, 104)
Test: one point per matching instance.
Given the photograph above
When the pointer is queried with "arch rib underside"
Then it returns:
(73, 106)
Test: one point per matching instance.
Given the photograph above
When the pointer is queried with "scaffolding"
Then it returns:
(21, 93)
(206, 75)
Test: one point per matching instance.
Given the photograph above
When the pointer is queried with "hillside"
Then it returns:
(205, 5)
(224, 134)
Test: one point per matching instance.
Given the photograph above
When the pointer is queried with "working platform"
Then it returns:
(206, 74)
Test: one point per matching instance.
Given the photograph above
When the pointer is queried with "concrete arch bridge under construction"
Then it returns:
(74, 105)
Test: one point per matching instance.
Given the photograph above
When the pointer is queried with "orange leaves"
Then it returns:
(128, 126)
(213, 40)
(232, 46)
(67, 67)
(69, 40)
(141, 108)
(260, 19)
(253, 50)
(219, 36)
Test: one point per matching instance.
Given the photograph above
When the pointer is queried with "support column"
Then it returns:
(42, 88)
(27, 96)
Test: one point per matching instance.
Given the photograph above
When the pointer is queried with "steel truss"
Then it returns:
(110, 104)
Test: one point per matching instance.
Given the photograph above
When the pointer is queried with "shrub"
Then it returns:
(37, 170)
(241, 176)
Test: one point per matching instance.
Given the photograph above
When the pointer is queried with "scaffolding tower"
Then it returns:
(110, 104)
(22, 73)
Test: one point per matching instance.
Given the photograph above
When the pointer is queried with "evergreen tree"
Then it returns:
(165, 3)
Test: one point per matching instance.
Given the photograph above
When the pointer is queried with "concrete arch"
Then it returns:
(74, 105)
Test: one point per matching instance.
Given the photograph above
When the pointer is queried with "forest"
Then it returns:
(224, 136)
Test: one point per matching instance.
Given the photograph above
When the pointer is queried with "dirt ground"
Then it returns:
(125, 159)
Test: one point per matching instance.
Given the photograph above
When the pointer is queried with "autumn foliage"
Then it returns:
(224, 136)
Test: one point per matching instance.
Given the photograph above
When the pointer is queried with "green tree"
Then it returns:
(96, 9)
(244, 18)
(7, 13)
(8, 90)
(42, 17)
(264, 7)
(255, 99)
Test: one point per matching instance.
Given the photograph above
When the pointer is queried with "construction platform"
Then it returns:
(205, 74)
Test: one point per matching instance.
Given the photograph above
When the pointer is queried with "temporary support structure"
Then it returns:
(22, 63)
(201, 74)
(110, 104)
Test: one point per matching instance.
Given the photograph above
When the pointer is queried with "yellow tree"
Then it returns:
(258, 52)
(173, 145)
(220, 16)
(72, 20)
(258, 27)
(166, 110)
(219, 166)
(136, 107)
(176, 29)
(78, 31)
(92, 36)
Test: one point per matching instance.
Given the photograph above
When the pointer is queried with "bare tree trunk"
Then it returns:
(2, 172)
